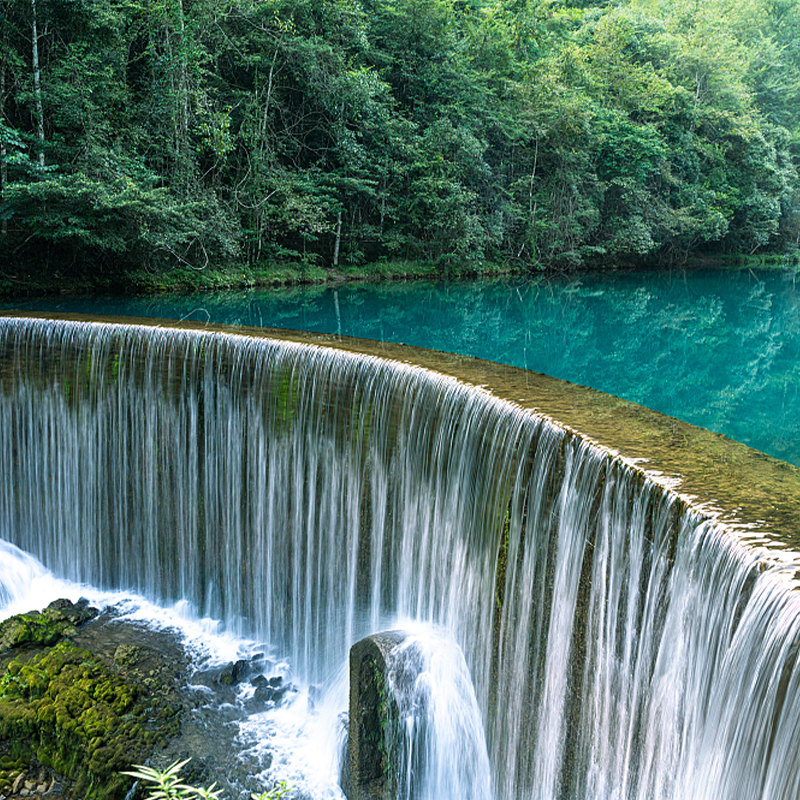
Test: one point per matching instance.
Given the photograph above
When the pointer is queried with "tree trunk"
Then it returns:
(37, 84)
(338, 238)
(265, 118)
(532, 205)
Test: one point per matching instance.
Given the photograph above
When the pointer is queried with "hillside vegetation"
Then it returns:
(208, 134)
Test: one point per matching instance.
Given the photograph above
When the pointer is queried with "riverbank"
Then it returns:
(26, 282)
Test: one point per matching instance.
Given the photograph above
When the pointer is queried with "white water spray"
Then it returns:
(443, 753)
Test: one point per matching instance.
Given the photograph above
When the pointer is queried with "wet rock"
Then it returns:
(235, 673)
(368, 772)
(86, 715)
(65, 611)
(272, 690)
(126, 655)
(60, 619)
(35, 780)
(178, 721)
(231, 674)
(263, 693)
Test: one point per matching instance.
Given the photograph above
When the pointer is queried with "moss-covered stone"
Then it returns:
(78, 713)
(61, 618)
(371, 768)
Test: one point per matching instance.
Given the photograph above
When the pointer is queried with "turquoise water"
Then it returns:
(716, 349)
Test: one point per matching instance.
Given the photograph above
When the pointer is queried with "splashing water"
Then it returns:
(442, 742)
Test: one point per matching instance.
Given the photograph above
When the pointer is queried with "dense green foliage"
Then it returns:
(533, 133)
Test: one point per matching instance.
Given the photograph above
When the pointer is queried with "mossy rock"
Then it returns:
(10, 769)
(127, 656)
(61, 618)
(82, 717)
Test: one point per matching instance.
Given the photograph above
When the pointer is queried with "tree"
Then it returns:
(539, 133)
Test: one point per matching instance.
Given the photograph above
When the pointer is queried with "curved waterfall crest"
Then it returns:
(620, 644)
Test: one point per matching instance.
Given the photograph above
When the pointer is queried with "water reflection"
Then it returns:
(716, 349)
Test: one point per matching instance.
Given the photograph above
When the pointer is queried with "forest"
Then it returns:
(529, 134)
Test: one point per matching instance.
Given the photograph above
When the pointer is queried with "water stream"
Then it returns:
(616, 645)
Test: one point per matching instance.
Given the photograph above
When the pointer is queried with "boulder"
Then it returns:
(369, 772)
(59, 620)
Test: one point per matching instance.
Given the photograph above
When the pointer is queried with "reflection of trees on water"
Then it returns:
(717, 349)
(719, 353)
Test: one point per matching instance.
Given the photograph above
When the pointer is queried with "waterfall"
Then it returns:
(438, 734)
(620, 646)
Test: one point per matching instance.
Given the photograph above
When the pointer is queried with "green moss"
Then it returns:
(81, 717)
(58, 620)
(377, 721)
(10, 768)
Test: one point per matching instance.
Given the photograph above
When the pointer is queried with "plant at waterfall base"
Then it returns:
(167, 785)
(278, 791)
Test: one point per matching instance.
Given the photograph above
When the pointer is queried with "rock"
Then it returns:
(174, 719)
(368, 775)
(60, 619)
(225, 676)
(126, 655)
(241, 671)
(62, 603)
(230, 675)
(263, 693)
(93, 721)
(271, 690)
(73, 613)
(18, 783)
